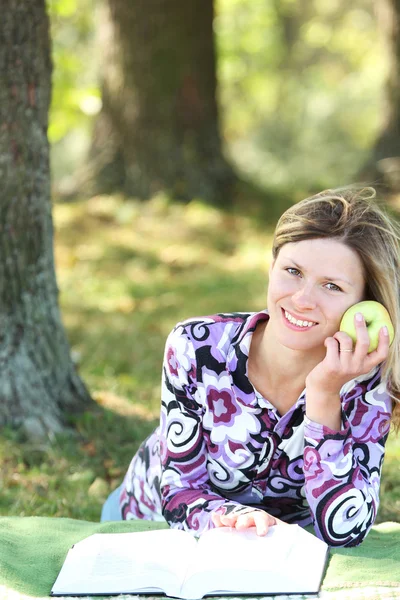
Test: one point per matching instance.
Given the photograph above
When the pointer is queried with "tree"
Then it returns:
(159, 126)
(385, 158)
(38, 382)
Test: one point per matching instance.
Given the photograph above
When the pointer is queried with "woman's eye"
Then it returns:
(333, 287)
(293, 271)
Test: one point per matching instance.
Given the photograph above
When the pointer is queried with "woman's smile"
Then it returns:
(297, 323)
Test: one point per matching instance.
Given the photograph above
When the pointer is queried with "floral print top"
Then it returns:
(220, 444)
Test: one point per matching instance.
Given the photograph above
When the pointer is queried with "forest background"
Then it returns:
(302, 100)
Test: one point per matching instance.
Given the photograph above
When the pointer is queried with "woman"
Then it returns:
(277, 416)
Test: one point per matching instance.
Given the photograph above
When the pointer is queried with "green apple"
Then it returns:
(375, 315)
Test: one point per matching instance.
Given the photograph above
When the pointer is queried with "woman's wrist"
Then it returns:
(324, 407)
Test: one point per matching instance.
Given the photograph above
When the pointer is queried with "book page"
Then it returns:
(245, 550)
(286, 560)
(127, 562)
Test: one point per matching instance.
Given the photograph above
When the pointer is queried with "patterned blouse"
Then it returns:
(220, 444)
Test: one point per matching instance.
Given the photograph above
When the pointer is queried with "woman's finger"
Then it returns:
(332, 352)
(263, 521)
(216, 519)
(345, 342)
(383, 343)
(381, 353)
(362, 344)
(228, 520)
(245, 521)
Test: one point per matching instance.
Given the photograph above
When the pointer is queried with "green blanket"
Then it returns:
(32, 550)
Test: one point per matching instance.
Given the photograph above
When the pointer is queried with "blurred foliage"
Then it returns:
(300, 87)
(125, 281)
(299, 81)
(76, 97)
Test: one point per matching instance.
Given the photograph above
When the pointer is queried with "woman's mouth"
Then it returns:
(295, 323)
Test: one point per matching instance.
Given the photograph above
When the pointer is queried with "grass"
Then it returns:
(127, 273)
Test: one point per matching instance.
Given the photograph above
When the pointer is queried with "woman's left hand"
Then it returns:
(243, 517)
(342, 362)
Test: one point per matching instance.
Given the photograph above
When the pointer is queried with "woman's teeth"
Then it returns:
(298, 323)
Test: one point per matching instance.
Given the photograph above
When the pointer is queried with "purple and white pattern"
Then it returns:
(220, 444)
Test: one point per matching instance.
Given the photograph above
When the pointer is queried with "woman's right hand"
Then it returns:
(243, 517)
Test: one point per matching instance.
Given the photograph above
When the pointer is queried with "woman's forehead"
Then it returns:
(324, 254)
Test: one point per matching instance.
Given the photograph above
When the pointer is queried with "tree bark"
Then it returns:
(385, 158)
(38, 383)
(159, 125)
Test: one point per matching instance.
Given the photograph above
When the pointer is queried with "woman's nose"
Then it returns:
(304, 298)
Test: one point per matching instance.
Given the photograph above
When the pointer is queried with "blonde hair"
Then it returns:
(353, 217)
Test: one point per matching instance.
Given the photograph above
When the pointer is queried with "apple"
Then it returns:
(375, 315)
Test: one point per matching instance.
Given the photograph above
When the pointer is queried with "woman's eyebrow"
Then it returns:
(300, 268)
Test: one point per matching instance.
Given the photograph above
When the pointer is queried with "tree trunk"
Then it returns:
(159, 127)
(385, 160)
(38, 383)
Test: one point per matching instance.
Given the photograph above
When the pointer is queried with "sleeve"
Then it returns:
(187, 498)
(343, 468)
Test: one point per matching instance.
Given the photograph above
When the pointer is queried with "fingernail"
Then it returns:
(385, 330)
(359, 317)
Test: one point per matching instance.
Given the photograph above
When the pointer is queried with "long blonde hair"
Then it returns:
(353, 216)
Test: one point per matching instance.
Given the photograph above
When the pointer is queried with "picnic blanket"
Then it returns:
(32, 551)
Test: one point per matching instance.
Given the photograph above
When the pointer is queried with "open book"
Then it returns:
(288, 560)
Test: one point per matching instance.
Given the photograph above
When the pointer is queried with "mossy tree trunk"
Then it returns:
(385, 158)
(38, 382)
(159, 126)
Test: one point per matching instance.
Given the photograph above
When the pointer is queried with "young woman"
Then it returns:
(278, 416)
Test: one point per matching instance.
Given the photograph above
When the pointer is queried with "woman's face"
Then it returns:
(312, 283)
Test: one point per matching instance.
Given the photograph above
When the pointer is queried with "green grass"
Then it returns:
(127, 273)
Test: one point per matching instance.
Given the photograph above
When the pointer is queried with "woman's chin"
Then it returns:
(301, 342)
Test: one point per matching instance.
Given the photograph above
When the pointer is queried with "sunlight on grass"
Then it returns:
(129, 271)
(390, 487)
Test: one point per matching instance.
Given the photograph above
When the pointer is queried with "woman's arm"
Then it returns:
(342, 467)
(188, 501)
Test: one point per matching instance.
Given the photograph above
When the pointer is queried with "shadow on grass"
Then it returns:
(72, 475)
(389, 508)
